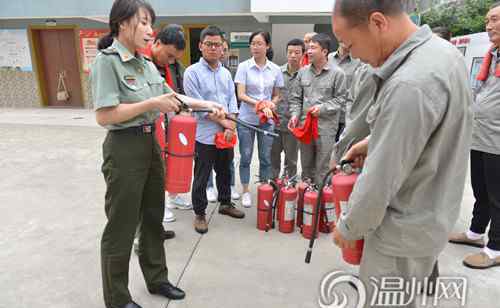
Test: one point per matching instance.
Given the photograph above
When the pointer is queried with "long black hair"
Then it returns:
(123, 10)
(265, 35)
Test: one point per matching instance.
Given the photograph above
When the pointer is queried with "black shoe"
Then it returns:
(131, 305)
(168, 290)
(167, 235)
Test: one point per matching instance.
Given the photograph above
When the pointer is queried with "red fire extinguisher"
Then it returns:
(286, 209)
(343, 166)
(343, 185)
(179, 154)
(265, 197)
(309, 213)
(328, 218)
(301, 189)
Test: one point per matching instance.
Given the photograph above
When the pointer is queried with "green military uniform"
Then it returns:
(133, 171)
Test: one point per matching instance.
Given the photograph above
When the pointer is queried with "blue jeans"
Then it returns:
(264, 144)
(210, 183)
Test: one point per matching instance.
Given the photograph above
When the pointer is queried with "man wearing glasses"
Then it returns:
(209, 80)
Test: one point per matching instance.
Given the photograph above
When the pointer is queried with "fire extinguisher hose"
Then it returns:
(274, 205)
(242, 123)
(325, 181)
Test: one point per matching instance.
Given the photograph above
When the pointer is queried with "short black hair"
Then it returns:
(264, 34)
(211, 31)
(442, 32)
(358, 11)
(297, 42)
(323, 40)
(172, 35)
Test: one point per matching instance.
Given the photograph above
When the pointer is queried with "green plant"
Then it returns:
(461, 18)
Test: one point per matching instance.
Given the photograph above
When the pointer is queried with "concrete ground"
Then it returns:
(51, 200)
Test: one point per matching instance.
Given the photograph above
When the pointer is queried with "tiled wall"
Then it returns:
(87, 97)
(20, 90)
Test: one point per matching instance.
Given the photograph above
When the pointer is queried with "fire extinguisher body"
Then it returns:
(286, 206)
(265, 194)
(301, 190)
(342, 187)
(309, 213)
(328, 217)
(181, 137)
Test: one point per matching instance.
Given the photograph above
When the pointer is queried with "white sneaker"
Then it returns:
(234, 194)
(169, 216)
(178, 202)
(211, 194)
(246, 200)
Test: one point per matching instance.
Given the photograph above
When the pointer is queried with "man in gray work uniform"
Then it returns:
(343, 59)
(485, 157)
(408, 196)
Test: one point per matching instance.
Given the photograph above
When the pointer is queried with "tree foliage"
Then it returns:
(464, 18)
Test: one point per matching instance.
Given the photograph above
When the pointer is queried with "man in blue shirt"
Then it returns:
(209, 80)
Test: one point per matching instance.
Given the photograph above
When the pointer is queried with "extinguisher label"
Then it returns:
(289, 210)
(183, 139)
(343, 208)
(308, 209)
(330, 212)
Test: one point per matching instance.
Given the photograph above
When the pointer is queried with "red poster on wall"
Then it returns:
(88, 45)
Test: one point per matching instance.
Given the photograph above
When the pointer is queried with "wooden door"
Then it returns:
(59, 59)
(193, 53)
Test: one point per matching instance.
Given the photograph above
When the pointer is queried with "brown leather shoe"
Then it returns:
(481, 261)
(231, 210)
(200, 224)
(462, 239)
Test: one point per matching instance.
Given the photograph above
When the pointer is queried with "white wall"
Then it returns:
(291, 6)
(282, 33)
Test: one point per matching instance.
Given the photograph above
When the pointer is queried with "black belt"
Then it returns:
(138, 130)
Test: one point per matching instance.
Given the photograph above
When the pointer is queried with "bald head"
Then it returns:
(308, 37)
(358, 11)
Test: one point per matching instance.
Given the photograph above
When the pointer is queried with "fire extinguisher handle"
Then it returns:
(345, 162)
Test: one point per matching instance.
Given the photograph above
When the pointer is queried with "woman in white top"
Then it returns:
(257, 80)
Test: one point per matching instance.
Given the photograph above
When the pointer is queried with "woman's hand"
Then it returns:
(166, 103)
(268, 112)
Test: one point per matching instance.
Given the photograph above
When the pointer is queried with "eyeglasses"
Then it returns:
(212, 44)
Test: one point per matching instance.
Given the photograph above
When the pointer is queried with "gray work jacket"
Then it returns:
(408, 195)
(326, 89)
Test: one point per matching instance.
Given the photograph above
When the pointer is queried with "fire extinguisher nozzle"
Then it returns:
(308, 256)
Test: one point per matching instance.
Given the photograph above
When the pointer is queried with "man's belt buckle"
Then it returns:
(147, 129)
